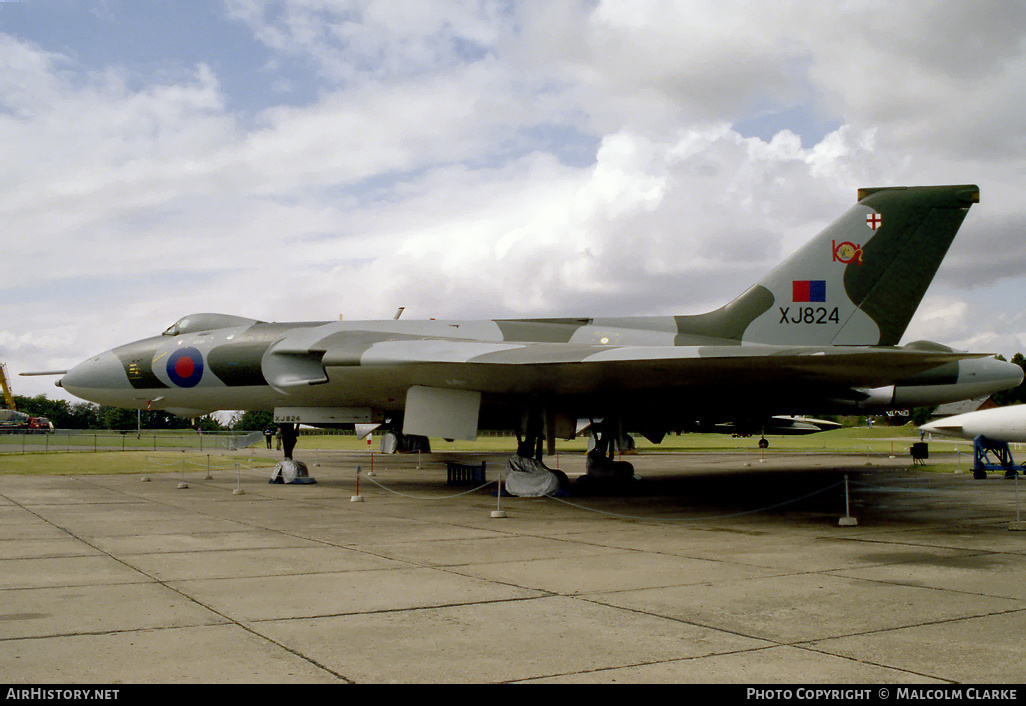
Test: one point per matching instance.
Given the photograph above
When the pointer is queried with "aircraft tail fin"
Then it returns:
(859, 282)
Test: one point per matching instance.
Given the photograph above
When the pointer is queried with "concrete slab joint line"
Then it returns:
(297, 584)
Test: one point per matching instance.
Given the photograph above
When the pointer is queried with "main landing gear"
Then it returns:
(530, 477)
(601, 464)
(527, 475)
(288, 470)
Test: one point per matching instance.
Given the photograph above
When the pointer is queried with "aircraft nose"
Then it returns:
(104, 372)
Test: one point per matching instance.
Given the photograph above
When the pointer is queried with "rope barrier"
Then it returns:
(909, 484)
(157, 462)
(697, 519)
(612, 514)
(419, 497)
(917, 484)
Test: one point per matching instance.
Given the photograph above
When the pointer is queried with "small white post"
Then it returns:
(238, 482)
(498, 511)
(847, 520)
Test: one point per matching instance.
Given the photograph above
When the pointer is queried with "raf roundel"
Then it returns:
(185, 367)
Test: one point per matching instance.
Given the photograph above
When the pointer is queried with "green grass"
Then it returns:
(151, 454)
(880, 440)
(115, 463)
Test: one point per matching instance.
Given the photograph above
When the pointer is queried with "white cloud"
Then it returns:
(482, 159)
(349, 40)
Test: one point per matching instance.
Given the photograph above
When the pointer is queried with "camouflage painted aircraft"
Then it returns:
(818, 335)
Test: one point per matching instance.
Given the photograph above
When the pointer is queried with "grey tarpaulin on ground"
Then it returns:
(528, 478)
(289, 471)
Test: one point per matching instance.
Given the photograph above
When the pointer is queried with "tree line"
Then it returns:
(87, 415)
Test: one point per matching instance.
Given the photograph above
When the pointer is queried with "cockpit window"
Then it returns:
(207, 322)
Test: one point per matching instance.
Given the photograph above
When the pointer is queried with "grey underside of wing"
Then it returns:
(567, 368)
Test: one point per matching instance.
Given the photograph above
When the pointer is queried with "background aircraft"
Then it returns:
(817, 335)
(999, 424)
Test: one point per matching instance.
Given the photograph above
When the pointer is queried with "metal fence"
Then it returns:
(78, 440)
(82, 441)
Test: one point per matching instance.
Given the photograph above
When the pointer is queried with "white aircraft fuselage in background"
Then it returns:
(1000, 424)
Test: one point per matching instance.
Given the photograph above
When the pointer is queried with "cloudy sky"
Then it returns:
(304, 159)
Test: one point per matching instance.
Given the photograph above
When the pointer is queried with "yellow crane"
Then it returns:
(8, 397)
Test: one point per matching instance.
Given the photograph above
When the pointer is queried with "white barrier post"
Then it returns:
(238, 481)
(847, 520)
(498, 511)
(183, 485)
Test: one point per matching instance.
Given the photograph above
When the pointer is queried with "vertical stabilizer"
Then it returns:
(860, 281)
